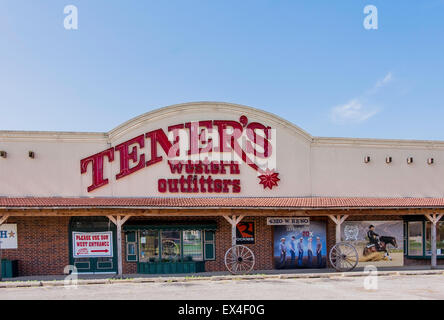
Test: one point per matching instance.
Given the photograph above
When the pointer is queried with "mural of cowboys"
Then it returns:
(283, 249)
(310, 252)
(293, 250)
(300, 251)
(319, 252)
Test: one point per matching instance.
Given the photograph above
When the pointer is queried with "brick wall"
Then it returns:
(42, 245)
(262, 248)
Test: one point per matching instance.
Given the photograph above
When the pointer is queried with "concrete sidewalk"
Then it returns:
(39, 281)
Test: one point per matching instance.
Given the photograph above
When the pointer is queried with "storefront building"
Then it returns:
(172, 190)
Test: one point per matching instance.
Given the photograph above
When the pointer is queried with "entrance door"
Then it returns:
(92, 243)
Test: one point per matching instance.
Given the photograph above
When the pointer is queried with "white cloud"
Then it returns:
(358, 109)
(381, 83)
(352, 112)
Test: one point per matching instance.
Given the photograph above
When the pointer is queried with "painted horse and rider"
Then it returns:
(378, 243)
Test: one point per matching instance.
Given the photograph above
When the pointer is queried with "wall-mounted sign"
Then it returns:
(245, 232)
(8, 236)
(197, 155)
(92, 244)
(285, 221)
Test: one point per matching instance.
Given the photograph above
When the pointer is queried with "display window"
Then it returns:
(149, 246)
(192, 245)
(170, 245)
(419, 234)
(415, 238)
(439, 238)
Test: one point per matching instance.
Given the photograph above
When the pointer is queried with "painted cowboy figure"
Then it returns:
(373, 237)
(283, 249)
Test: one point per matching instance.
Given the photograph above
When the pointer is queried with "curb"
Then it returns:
(59, 283)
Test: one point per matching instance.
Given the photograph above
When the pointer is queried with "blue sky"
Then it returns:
(311, 62)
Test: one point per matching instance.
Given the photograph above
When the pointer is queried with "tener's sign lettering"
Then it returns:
(302, 221)
(196, 152)
(92, 244)
(201, 177)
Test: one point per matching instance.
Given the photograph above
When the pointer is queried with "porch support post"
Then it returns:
(2, 220)
(433, 218)
(338, 220)
(233, 221)
(119, 221)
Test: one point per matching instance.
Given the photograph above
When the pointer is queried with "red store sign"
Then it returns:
(196, 176)
(92, 244)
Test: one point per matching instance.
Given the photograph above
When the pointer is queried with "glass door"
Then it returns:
(92, 242)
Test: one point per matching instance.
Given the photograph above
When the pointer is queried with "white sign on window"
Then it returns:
(92, 244)
(288, 221)
(8, 236)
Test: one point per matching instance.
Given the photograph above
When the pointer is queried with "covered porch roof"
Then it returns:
(240, 203)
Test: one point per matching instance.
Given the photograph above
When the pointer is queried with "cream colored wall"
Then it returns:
(56, 169)
(338, 168)
(307, 166)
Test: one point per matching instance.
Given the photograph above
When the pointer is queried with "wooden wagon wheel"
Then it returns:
(239, 259)
(344, 257)
(170, 249)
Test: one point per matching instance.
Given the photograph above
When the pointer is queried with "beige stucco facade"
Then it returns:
(307, 166)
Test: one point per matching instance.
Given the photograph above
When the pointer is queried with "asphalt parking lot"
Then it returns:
(388, 287)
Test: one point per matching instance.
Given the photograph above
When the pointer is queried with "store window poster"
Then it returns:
(300, 246)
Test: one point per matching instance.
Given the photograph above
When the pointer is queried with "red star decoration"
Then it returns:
(11, 234)
(269, 179)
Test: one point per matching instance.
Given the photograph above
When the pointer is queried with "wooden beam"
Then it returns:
(233, 231)
(210, 212)
(119, 222)
(433, 245)
(429, 217)
(338, 220)
(3, 219)
(434, 219)
(228, 219)
(113, 220)
(345, 216)
(125, 219)
(119, 247)
(239, 219)
(333, 218)
(233, 221)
